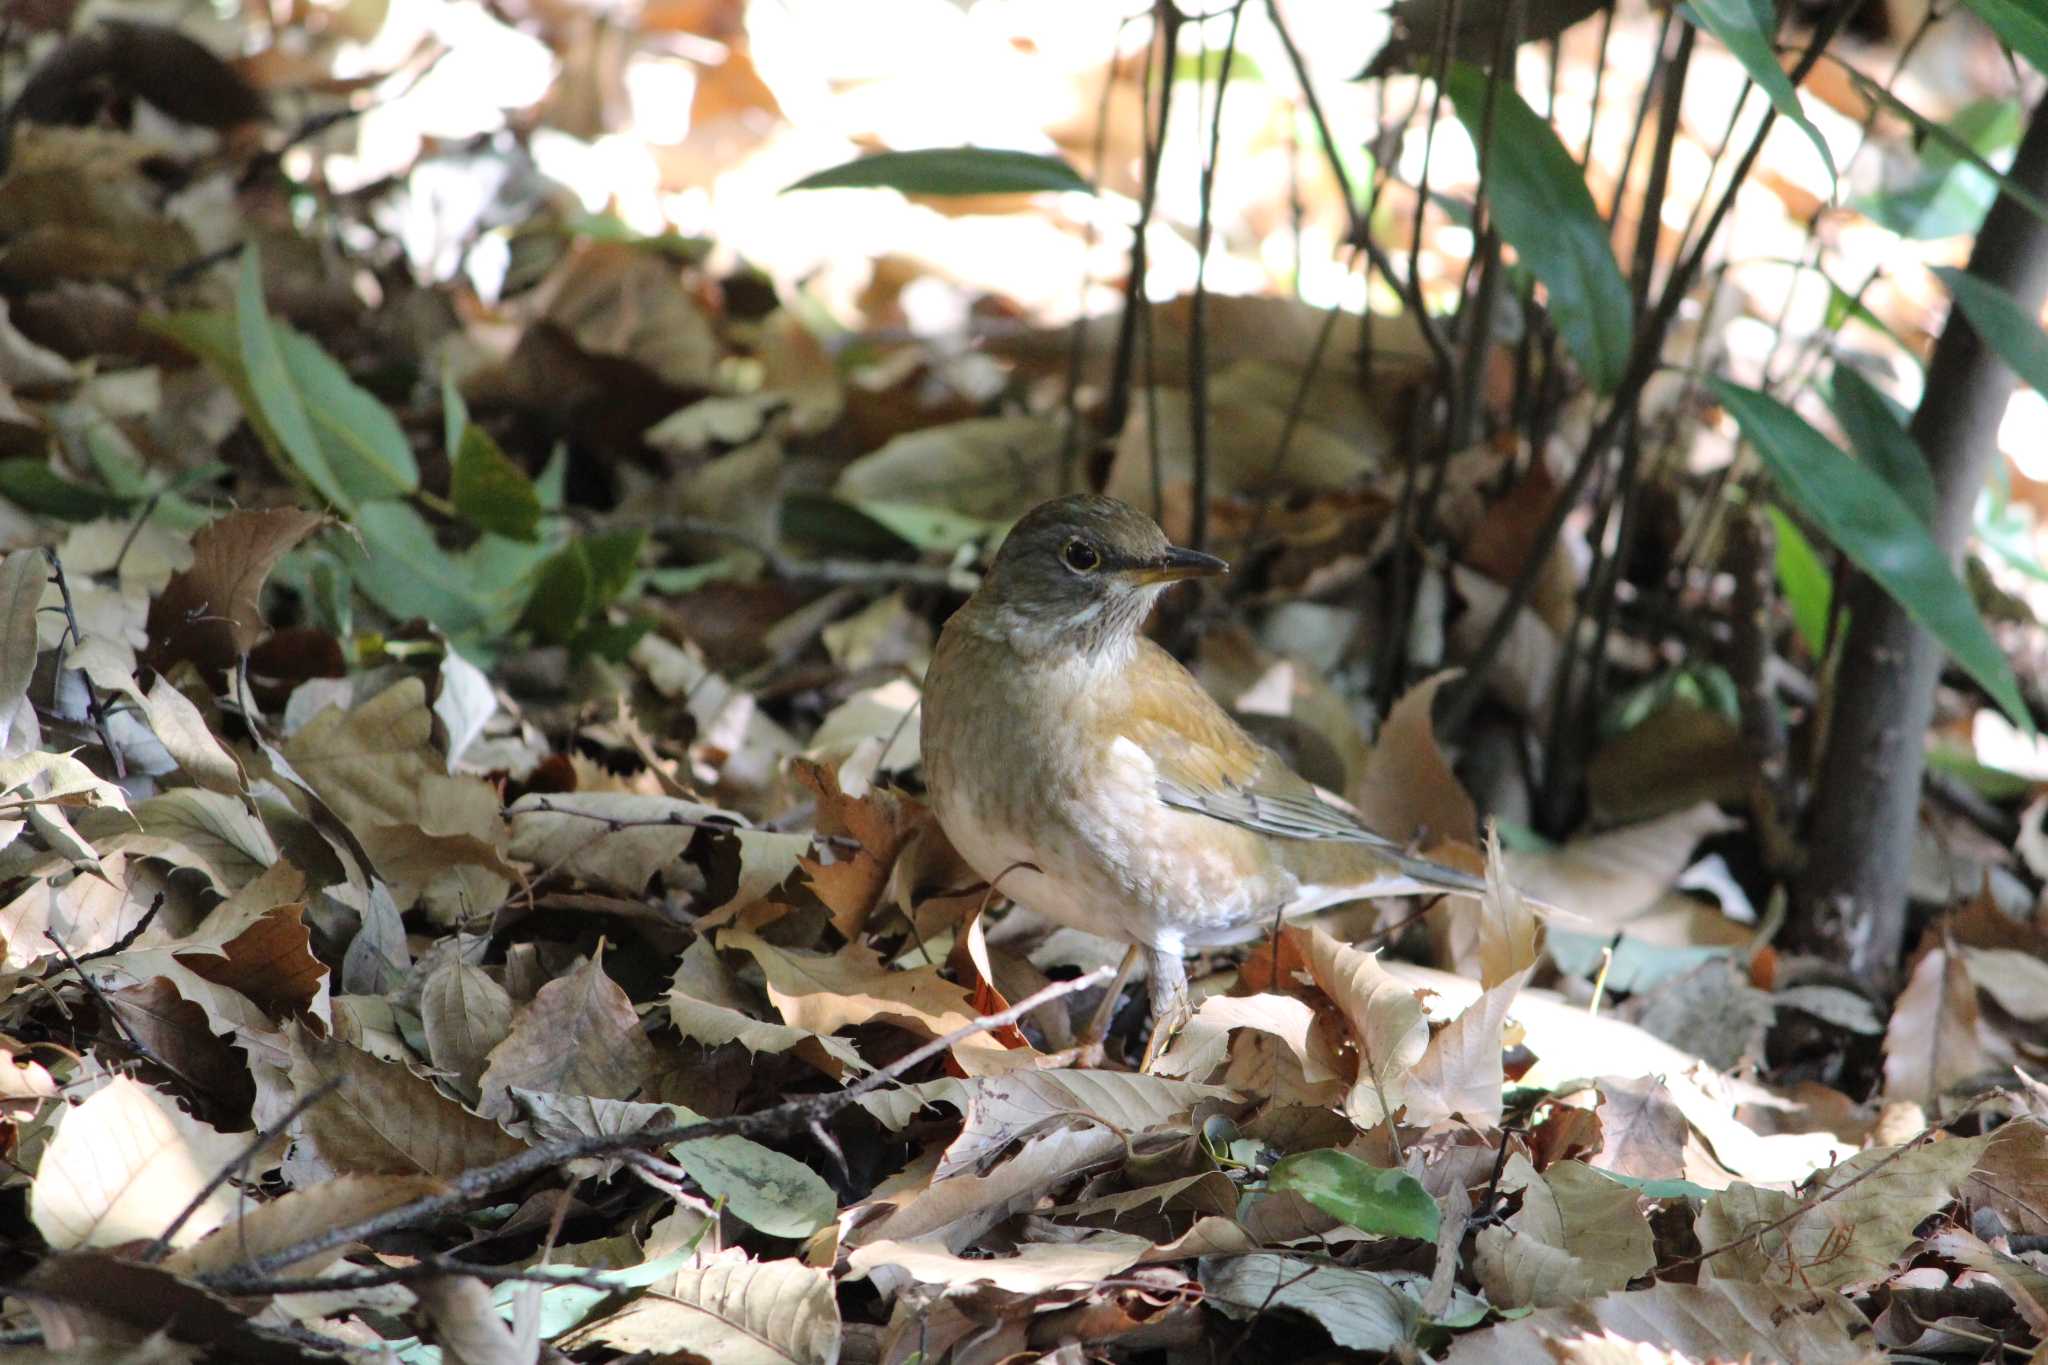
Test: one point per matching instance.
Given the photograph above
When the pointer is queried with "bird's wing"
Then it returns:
(1207, 764)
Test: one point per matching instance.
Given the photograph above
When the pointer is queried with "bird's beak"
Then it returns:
(1175, 565)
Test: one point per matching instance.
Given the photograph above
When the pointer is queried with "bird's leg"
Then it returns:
(1088, 1048)
(1170, 1008)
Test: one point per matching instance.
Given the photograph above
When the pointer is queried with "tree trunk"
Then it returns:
(1852, 902)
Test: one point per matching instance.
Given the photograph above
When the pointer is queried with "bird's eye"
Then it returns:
(1081, 557)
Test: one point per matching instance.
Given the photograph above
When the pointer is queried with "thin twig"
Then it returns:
(95, 706)
(790, 1116)
(1643, 362)
(161, 1247)
(857, 572)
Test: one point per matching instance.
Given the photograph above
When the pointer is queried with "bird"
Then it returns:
(1084, 773)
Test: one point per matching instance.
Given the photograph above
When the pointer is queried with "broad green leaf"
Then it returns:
(1664, 1187)
(763, 1188)
(32, 485)
(1748, 28)
(2021, 25)
(951, 170)
(363, 443)
(1542, 208)
(1878, 435)
(356, 441)
(1807, 585)
(932, 528)
(1383, 1202)
(1207, 65)
(490, 490)
(2001, 321)
(275, 397)
(1871, 524)
(563, 596)
(612, 557)
(403, 569)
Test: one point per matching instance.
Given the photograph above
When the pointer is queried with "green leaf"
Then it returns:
(2020, 26)
(562, 598)
(1805, 580)
(275, 398)
(1542, 208)
(491, 491)
(1946, 195)
(951, 170)
(1382, 1202)
(1871, 524)
(932, 528)
(2001, 321)
(1748, 28)
(612, 557)
(1875, 90)
(33, 486)
(1877, 433)
(357, 449)
(403, 569)
(763, 1188)
(363, 443)
(1659, 1187)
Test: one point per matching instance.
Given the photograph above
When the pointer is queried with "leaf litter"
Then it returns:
(462, 901)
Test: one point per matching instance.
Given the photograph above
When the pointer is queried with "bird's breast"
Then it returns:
(1040, 793)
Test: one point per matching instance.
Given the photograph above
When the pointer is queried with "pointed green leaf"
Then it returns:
(563, 597)
(2021, 26)
(1877, 433)
(1871, 524)
(276, 396)
(1747, 28)
(363, 443)
(951, 170)
(1542, 208)
(1807, 585)
(1383, 1202)
(490, 490)
(1962, 151)
(2003, 323)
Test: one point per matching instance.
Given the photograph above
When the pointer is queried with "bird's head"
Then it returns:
(1081, 573)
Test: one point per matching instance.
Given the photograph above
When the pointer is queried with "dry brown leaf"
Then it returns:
(296, 1215)
(375, 767)
(881, 822)
(1035, 1268)
(1704, 1322)
(1644, 1128)
(1610, 876)
(1835, 1241)
(2012, 1176)
(1935, 1037)
(123, 1165)
(1460, 1071)
(579, 1036)
(1004, 1109)
(990, 467)
(212, 613)
(616, 840)
(1408, 791)
(825, 992)
(1577, 1235)
(707, 1005)
(734, 1310)
(384, 1120)
(1386, 1020)
(464, 1013)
